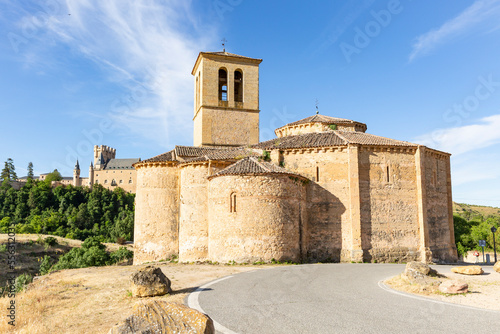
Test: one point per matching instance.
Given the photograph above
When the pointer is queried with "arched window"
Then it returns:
(238, 86)
(222, 85)
(232, 202)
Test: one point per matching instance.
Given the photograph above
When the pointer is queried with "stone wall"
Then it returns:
(193, 216)
(110, 179)
(226, 127)
(156, 213)
(266, 222)
(439, 207)
(328, 222)
(389, 210)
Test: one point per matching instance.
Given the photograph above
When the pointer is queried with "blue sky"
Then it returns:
(79, 73)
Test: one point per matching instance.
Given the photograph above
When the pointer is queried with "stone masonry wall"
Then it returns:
(328, 222)
(267, 221)
(438, 191)
(389, 216)
(125, 179)
(156, 213)
(193, 220)
(228, 127)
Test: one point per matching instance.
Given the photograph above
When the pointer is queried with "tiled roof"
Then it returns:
(328, 139)
(167, 156)
(121, 163)
(362, 138)
(194, 151)
(226, 154)
(315, 139)
(253, 166)
(221, 53)
(322, 119)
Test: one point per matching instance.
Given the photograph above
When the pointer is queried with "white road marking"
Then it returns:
(194, 303)
(388, 289)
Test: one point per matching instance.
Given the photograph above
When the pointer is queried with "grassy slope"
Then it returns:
(474, 210)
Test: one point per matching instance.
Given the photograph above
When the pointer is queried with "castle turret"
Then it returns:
(91, 175)
(76, 175)
(102, 155)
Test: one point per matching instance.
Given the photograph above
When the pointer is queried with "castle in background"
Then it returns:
(105, 170)
(323, 190)
(108, 171)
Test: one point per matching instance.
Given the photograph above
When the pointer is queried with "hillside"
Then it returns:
(469, 211)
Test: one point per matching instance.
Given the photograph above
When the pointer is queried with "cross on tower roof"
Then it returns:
(223, 44)
(317, 111)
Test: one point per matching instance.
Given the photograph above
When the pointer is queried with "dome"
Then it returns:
(319, 123)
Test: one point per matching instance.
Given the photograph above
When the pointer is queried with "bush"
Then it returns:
(50, 241)
(121, 254)
(93, 242)
(3, 248)
(22, 281)
(121, 241)
(45, 265)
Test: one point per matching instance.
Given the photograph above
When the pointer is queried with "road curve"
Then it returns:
(330, 298)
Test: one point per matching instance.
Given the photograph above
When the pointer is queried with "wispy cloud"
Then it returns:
(462, 139)
(483, 13)
(475, 158)
(148, 48)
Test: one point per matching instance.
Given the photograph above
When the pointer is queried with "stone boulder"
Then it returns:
(496, 267)
(165, 318)
(468, 270)
(454, 287)
(149, 281)
(419, 272)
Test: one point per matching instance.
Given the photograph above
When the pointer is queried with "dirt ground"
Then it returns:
(92, 300)
(484, 290)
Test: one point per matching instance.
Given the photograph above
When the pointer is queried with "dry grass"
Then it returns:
(92, 300)
(484, 290)
(401, 283)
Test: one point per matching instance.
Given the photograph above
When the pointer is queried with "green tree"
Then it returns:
(30, 170)
(54, 176)
(9, 171)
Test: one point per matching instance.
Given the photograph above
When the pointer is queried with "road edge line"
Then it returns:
(193, 302)
(384, 286)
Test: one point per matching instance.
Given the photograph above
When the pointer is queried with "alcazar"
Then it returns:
(323, 190)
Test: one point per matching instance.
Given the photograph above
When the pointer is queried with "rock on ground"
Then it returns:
(418, 272)
(468, 270)
(454, 287)
(149, 281)
(155, 317)
(496, 267)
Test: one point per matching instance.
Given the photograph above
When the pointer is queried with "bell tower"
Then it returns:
(226, 99)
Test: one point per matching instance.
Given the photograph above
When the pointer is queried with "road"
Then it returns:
(330, 298)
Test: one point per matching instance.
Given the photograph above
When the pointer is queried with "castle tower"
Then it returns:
(226, 99)
(76, 175)
(91, 175)
(102, 154)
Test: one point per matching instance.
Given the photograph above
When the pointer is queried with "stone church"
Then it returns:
(323, 190)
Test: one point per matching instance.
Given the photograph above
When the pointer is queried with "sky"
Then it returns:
(79, 73)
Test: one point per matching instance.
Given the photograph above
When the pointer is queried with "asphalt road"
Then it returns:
(331, 298)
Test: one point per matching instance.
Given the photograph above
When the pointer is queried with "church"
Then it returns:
(323, 190)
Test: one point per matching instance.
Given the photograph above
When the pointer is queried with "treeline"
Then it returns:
(469, 229)
(67, 211)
